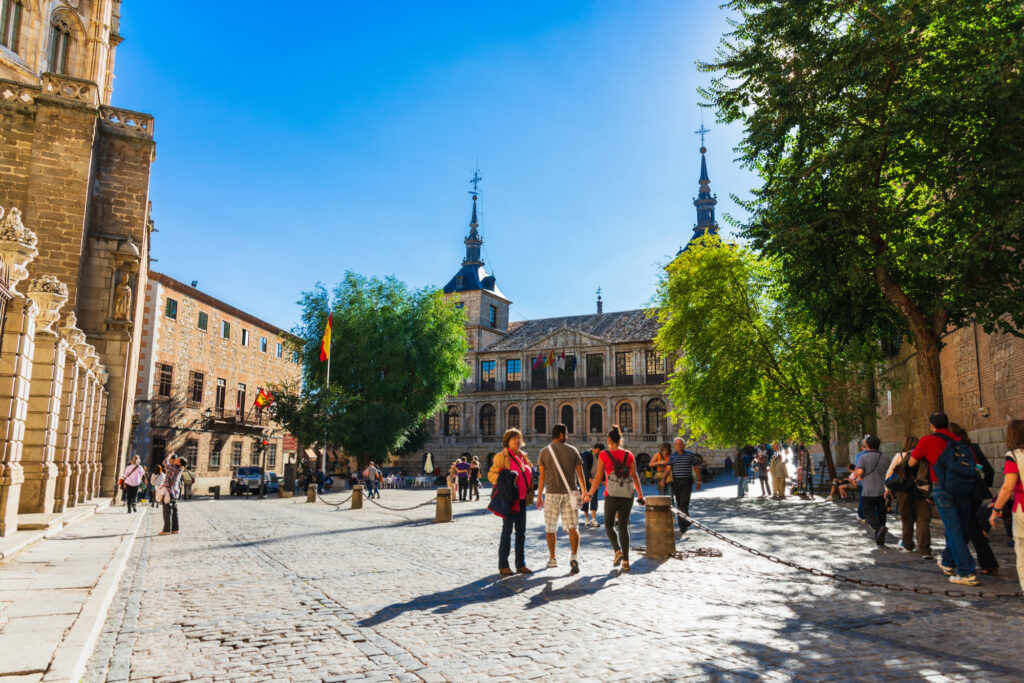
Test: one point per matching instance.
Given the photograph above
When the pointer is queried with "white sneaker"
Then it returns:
(969, 580)
(829, 499)
(948, 571)
(552, 562)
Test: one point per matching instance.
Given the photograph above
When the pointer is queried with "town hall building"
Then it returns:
(586, 371)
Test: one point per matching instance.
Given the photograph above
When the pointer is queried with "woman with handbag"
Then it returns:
(130, 480)
(514, 469)
(616, 469)
(1013, 489)
(912, 490)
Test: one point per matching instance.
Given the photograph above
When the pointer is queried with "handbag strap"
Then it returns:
(558, 466)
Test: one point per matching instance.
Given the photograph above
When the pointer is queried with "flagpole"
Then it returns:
(327, 389)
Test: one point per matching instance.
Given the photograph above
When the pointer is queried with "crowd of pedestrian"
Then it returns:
(164, 485)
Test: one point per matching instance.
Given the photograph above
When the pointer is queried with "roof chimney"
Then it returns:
(600, 304)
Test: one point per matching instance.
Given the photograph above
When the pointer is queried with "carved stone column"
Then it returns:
(66, 438)
(86, 399)
(17, 249)
(40, 486)
(101, 428)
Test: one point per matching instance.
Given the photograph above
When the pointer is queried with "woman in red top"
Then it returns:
(616, 468)
(1012, 487)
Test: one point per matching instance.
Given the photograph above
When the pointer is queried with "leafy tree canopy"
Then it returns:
(890, 140)
(396, 355)
(753, 366)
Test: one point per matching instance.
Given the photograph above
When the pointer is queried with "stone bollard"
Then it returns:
(357, 497)
(659, 526)
(215, 490)
(444, 506)
(311, 493)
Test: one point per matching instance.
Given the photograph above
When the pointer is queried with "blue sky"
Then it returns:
(294, 146)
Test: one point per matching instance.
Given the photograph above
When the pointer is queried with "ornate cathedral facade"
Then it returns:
(74, 250)
(586, 371)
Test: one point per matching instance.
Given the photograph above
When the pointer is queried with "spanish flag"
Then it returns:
(551, 359)
(325, 344)
(264, 398)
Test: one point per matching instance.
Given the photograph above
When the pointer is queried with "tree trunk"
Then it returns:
(929, 369)
(826, 447)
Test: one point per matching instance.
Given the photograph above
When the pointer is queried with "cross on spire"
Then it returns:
(476, 179)
(702, 131)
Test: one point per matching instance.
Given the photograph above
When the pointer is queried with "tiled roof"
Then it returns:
(624, 326)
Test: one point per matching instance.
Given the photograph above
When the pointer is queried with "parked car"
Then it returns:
(273, 485)
(246, 480)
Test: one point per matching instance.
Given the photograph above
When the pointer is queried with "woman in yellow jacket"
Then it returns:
(513, 459)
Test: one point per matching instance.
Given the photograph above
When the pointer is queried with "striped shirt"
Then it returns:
(682, 464)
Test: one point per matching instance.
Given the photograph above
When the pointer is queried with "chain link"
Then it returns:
(920, 590)
(387, 507)
(337, 505)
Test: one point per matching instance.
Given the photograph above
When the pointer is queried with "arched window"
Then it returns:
(568, 418)
(655, 416)
(10, 23)
(596, 423)
(60, 45)
(452, 422)
(488, 420)
(626, 417)
(540, 420)
(513, 418)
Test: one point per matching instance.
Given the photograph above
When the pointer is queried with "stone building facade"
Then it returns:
(202, 365)
(586, 371)
(74, 182)
(982, 389)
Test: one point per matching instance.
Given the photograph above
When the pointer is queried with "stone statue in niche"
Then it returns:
(123, 297)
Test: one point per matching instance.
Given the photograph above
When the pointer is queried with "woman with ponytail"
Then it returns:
(616, 469)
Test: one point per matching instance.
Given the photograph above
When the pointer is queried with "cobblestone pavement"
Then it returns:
(284, 590)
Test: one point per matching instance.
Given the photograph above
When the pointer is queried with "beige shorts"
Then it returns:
(559, 505)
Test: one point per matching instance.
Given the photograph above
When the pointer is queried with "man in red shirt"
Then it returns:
(954, 511)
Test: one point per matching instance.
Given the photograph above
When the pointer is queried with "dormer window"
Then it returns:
(60, 45)
(459, 280)
(10, 23)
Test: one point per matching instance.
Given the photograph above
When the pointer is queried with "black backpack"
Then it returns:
(956, 470)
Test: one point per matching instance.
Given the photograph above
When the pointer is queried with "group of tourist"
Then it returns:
(943, 473)
(168, 482)
(769, 465)
(568, 482)
(464, 479)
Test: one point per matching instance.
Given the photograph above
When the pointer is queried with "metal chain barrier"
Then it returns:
(920, 590)
(388, 507)
(337, 505)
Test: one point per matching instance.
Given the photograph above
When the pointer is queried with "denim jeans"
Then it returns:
(741, 486)
(518, 520)
(372, 489)
(954, 513)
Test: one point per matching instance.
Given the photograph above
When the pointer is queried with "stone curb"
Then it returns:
(73, 653)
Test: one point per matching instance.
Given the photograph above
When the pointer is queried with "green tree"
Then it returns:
(889, 136)
(752, 366)
(396, 355)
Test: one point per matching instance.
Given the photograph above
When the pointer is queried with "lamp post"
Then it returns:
(263, 466)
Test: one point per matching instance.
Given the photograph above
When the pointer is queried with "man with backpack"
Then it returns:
(954, 477)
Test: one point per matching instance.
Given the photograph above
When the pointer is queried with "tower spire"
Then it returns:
(705, 202)
(473, 240)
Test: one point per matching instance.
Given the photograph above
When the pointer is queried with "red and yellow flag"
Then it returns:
(264, 398)
(325, 344)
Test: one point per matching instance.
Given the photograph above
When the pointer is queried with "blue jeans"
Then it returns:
(860, 501)
(955, 513)
(517, 519)
(741, 486)
(372, 489)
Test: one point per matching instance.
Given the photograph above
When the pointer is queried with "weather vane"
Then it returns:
(702, 131)
(476, 179)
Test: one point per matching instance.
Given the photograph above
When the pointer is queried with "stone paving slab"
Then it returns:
(284, 590)
(49, 589)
